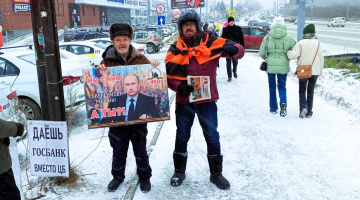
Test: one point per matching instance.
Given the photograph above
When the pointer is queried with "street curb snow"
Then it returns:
(130, 192)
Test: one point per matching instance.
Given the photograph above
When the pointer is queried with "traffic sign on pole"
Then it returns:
(160, 8)
(161, 20)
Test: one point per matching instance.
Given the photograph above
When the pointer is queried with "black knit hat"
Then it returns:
(230, 19)
(310, 28)
(120, 29)
(189, 15)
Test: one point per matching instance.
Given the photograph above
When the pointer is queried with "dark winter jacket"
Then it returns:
(8, 129)
(199, 59)
(233, 33)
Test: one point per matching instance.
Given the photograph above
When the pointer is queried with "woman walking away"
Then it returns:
(306, 51)
(278, 43)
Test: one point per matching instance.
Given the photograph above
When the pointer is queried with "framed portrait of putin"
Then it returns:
(125, 95)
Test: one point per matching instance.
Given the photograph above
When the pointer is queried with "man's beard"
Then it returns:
(123, 52)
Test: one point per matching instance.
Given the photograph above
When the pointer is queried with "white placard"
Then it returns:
(48, 148)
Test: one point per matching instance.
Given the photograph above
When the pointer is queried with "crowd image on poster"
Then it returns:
(126, 95)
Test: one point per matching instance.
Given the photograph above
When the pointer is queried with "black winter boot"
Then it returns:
(216, 177)
(283, 109)
(180, 167)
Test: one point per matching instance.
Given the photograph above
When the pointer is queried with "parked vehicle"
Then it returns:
(107, 42)
(6, 94)
(89, 35)
(86, 49)
(253, 23)
(166, 31)
(70, 34)
(20, 71)
(253, 36)
(265, 25)
(292, 19)
(336, 22)
(152, 40)
(155, 29)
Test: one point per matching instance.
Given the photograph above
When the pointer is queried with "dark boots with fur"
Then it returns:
(216, 177)
(180, 167)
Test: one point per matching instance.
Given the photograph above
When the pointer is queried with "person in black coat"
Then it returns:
(205, 27)
(234, 33)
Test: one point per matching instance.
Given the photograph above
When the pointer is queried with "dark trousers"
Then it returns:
(306, 93)
(228, 66)
(281, 85)
(207, 115)
(119, 140)
(8, 188)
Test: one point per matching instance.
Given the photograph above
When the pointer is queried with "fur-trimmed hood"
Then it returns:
(189, 15)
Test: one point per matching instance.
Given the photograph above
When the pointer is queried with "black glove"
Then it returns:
(231, 50)
(185, 89)
(20, 129)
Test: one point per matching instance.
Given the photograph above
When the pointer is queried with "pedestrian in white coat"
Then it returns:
(305, 52)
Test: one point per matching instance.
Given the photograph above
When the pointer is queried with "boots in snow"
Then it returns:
(216, 177)
(283, 109)
(180, 167)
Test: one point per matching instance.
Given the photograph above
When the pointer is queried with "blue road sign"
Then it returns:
(161, 20)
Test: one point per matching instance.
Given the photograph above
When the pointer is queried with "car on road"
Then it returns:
(18, 68)
(166, 31)
(253, 23)
(253, 36)
(246, 19)
(152, 40)
(336, 22)
(292, 19)
(89, 35)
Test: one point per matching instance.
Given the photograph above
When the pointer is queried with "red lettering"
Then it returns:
(111, 113)
(102, 79)
(94, 114)
(121, 111)
(118, 78)
(111, 78)
(92, 80)
(104, 112)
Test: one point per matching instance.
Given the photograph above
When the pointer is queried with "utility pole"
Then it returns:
(347, 10)
(48, 64)
(232, 5)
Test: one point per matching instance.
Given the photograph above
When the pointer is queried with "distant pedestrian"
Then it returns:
(234, 33)
(217, 27)
(212, 30)
(225, 24)
(304, 51)
(97, 30)
(279, 42)
(8, 188)
(205, 26)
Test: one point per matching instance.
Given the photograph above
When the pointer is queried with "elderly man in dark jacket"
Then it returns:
(196, 53)
(234, 33)
(123, 53)
(8, 188)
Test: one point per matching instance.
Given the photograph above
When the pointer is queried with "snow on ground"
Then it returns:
(265, 156)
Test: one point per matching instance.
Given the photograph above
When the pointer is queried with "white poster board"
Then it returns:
(48, 148)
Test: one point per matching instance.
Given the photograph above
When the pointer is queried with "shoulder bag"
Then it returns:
(263, 66)
(305, 71)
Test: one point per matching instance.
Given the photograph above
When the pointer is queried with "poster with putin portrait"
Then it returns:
(178, 4)
(124, 95)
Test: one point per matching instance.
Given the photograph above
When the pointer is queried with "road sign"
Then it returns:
(160, 8)
(232, 13)
(161, 20)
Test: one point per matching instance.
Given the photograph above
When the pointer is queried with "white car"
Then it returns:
(6, 94)
(166, 31)
(108, 42)
(18, 68)
(86, 49)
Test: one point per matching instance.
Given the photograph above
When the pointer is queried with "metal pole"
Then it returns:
(301, 19)
(347, 10)
(232, 5)
(48, 60)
